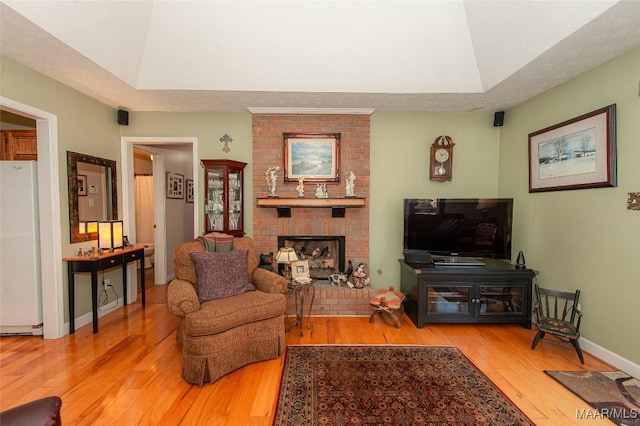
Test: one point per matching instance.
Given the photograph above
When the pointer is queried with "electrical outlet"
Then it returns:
(579, 306)
(106, 283)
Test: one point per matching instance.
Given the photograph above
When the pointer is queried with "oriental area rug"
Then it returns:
(614, 395)
(388, 385)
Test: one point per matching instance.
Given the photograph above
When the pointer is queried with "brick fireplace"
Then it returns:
(268, 145)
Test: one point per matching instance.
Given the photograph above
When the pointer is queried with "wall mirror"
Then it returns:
(93, 192)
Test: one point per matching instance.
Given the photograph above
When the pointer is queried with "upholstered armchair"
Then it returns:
(231, 311)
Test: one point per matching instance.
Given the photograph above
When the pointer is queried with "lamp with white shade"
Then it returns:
(88, 226)
(110, 235)
(286, 255)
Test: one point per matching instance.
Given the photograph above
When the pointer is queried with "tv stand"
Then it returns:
(496, 292)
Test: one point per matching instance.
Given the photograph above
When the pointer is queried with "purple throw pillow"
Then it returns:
(221, 275)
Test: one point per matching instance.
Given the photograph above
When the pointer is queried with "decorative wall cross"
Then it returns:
(225, 139)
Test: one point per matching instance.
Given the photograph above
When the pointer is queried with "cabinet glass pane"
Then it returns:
(448, 300)
(215, 199)
(235, 200)
(501, 300)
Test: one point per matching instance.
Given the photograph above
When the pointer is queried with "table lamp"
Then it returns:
(110, 235)
(88, 226)
(286, 255)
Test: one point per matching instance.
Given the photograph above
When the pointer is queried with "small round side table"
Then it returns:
(302, 290)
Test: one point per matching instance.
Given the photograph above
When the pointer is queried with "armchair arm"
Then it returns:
(268, 282)
(182, 298)
(44, 411)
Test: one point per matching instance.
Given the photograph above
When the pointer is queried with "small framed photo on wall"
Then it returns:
(189, 190)
(175, 185)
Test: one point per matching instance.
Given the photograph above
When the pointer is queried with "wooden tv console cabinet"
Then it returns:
(497, 292)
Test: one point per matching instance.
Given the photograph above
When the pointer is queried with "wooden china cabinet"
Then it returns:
(224, 204)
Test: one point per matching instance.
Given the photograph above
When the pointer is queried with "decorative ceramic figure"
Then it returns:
(321, 191)
(266, 261)
(300, 187)
(336, 279)
(350, 185)
(359, 276)
(272, 179)
(520, 262)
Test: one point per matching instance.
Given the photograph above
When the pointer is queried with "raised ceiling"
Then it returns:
(449, 56)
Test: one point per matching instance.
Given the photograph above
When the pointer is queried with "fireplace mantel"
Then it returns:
(337, 205)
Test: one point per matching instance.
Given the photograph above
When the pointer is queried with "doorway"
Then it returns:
(161, 147)
(49, 205)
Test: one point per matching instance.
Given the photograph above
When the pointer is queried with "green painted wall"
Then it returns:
(400, 145)
(585, 239)
(208, 127)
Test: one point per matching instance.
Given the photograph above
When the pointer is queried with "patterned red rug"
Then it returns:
(388, 385)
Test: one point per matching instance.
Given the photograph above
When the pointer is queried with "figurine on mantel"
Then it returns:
(321, 191)
(300, 187)
(272, 179)
(350, 184)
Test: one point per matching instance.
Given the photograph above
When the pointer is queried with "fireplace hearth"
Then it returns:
(325, 254)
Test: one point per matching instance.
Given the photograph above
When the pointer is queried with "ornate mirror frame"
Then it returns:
(73, 158)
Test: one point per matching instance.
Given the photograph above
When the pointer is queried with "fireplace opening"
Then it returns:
(325, 254)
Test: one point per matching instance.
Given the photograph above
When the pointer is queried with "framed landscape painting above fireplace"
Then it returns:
(314, 157)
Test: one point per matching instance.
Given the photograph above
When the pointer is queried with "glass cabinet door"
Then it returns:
(500, 300)
(215, 200)
(235, 200)
(224, 210)
(448, 300)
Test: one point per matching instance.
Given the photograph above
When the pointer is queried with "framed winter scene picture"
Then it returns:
(575, 154)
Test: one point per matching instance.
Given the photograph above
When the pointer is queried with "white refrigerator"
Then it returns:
(20, 272)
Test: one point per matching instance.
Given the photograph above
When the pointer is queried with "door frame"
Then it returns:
(128, 200)
(49, 202)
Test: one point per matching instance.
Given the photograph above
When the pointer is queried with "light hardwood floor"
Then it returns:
(129, 373)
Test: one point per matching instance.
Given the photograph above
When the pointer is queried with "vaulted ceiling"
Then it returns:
(449, 56)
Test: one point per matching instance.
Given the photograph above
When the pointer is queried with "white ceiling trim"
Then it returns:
(338, 111)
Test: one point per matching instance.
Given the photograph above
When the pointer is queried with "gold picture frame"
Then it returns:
(314, 157)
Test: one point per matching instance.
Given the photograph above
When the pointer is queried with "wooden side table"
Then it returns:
(98, 263)
(302, 291)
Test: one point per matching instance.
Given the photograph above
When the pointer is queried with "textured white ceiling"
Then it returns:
(388, 55)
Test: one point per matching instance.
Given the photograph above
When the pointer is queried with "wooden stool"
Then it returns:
(387, 302)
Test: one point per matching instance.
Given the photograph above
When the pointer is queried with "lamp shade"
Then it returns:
(110, 234)
(286, 255)
(88, 226)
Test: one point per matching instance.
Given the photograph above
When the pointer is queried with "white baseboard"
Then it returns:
(612, 358)
(102, 310)
(33, 330)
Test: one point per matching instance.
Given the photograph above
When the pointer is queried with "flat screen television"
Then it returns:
(470, 227)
